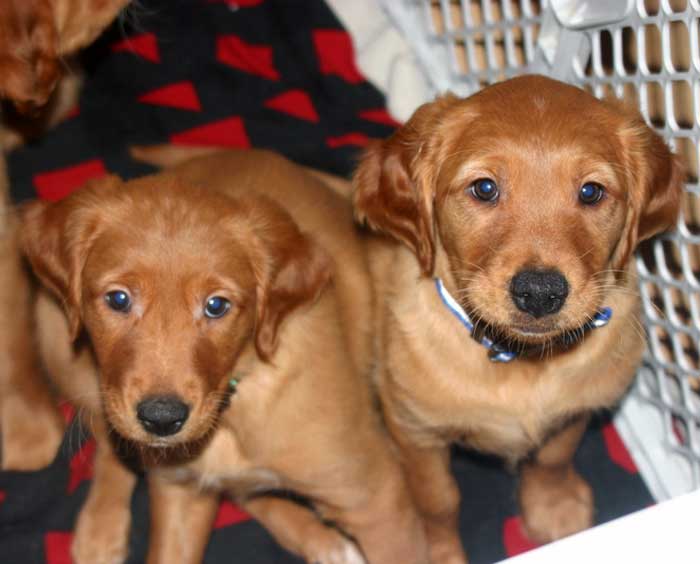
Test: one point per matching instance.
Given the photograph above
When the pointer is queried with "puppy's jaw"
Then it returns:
(194, 370)
(486, 296)
(202, 421)
(179, 363)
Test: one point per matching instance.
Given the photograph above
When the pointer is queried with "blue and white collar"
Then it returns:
(498, 352)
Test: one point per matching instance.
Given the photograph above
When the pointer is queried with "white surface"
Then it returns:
(662, 534)
(641, 426)
(577, 14)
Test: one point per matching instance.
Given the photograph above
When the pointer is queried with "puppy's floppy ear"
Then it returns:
(56, 238)
(394, 185)
(295, 272)
(655, 176)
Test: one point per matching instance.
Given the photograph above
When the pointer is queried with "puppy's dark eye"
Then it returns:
(485, 190)
(118, 300)
(216, 307)
(591, 193)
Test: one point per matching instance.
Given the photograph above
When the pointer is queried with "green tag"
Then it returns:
(233, 384)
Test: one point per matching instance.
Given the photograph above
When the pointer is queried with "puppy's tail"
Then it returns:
(168, 156)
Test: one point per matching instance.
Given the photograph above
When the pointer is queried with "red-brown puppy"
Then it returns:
(234, 351)
(518, 210)
(35, 38)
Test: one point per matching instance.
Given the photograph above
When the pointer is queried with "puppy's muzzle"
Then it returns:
(162, 415)
(539, 292)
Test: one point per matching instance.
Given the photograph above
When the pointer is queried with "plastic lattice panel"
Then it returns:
(486, 41)
(652, 60)
(466, 45)
(647, 53)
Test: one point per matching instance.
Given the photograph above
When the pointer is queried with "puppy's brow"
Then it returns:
(118, 277)
(602, 174)
(222, 284)
(475, 168)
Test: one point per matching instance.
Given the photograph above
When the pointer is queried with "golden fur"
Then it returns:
(34, 37)
(298, 337)
(539, 140)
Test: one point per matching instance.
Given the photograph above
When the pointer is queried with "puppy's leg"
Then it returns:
(300, 531)
(381, 516)
(102, 530)
(181, 520)
(434, 491)
(168, 156)
(30, 425)
(554, 500)
(436, 494)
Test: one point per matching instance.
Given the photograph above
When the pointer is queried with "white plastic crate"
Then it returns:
(647, 52)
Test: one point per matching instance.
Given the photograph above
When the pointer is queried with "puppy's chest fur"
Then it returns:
(285, 418)
(225, 466)
(240, 456)
(442, 386)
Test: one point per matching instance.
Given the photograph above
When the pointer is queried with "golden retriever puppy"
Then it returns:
(508, 303)
(34, 37)
(233, 352)
(30, 426)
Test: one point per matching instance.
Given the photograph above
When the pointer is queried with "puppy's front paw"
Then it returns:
(441, 555)
(331, 547)
(101, 534)
(555, 506)
(30, 436)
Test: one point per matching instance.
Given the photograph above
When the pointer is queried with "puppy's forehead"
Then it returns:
(530, 98)
(532, 122)
(172, 228)
(535, 117)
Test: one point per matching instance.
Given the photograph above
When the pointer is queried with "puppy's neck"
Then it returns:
(499, 350)
(503, 349)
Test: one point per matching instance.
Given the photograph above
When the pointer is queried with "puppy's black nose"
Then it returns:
(162, 415)
(539, 292)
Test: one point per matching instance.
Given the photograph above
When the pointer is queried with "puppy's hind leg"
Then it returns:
(434, 492)
(31, 428)
(168, 156)
(381, 516)
(299, 530)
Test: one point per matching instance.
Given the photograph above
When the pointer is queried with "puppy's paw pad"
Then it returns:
(335, 549)
(560, 511)
(33, 447)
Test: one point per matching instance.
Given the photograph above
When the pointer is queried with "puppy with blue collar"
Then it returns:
(508, 305)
